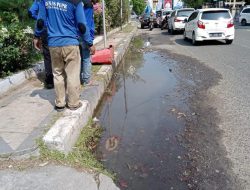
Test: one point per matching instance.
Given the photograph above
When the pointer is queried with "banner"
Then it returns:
(167, 4)
(178, 4)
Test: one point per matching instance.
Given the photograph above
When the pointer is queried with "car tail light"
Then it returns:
(177, 20)
(200, 24)
(230, 24)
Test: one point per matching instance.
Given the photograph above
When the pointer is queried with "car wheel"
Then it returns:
(184, 35)
(229, 41)
(142, 26)
(243, 22)
(194, 42)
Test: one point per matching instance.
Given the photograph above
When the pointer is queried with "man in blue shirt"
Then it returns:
(85, 53)
(66, 22)
(33, 13)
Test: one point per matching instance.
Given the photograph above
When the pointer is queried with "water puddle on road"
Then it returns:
(143, 115)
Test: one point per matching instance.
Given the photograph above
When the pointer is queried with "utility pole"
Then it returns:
(104, 24)
(121, 14)
(234, 8)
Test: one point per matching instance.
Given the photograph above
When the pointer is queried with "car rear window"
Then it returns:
(185, 13)
(215, 15)
(166, 13)
(246, 11)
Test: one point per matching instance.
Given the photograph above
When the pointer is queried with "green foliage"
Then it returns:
(16, 44)
(138, 6)
(195, 3)
(113, 15)
(20, 7)
(247, 2)
(17, 52)
(82, 154)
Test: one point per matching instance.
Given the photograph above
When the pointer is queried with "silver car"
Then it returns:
(176, 19)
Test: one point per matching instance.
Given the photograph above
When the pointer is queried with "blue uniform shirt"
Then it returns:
(63, 18)
(33, 10)
(89, 14)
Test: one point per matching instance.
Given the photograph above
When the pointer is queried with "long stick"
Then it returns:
(104, 24)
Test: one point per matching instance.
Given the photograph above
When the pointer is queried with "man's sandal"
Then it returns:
(59, 109)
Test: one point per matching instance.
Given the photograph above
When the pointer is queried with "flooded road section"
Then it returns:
(143, 117)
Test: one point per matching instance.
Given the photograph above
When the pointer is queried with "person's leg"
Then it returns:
(59, 75)
(47, 62)
(72, 61)
(85, 65)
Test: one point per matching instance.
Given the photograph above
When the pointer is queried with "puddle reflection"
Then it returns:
(140, 142)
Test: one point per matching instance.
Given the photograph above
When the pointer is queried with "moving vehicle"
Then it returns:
(145, 20)
(165, 17)
(176, 19)
(151, 21)
(151, 26)
(166, 13)
(159, 18)
(210, 24)
(244, 18)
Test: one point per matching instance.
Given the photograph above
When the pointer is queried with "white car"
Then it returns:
(210, 24)
(133, 15)
(176, 19)
(244, 18)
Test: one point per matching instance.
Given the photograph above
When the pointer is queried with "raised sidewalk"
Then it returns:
(27, 109)
(27, 114)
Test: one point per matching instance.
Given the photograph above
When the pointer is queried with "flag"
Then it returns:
(149, 7)
(159, 5)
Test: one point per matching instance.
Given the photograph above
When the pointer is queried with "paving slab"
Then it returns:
(54, 177)
(24, 116)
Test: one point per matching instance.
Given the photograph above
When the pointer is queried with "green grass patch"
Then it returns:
(82, 155)
(128, 28)
(137, 43)
(95, 68)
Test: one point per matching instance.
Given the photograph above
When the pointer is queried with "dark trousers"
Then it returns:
(47, 59)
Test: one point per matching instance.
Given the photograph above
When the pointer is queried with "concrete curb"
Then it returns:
(17, 79)
(64, 133)
(13, 81)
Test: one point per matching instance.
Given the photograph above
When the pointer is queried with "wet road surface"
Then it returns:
(143, 118)
(161, 128)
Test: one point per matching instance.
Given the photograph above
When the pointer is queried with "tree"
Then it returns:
(247, 2)
(138, 6)
(20, 7)
(195, 3)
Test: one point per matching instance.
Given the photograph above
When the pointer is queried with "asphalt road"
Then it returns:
(230, 98)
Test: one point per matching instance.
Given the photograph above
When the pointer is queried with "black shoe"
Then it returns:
(49, 85)
(59, 109)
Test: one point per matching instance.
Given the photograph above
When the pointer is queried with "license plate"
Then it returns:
(215, 34)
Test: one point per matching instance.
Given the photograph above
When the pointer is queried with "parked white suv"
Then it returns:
(176, 19)
(244, 18)
(210, 24)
